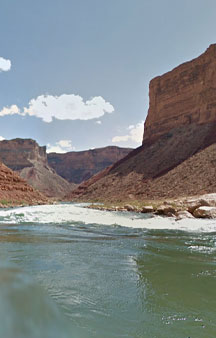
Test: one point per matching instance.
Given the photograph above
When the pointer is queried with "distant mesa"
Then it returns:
(55, 174)
(79, 166)
(177, 157)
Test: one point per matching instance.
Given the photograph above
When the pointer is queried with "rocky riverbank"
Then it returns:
(202, 206)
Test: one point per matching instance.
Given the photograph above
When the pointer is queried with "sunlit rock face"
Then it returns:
(79, 166)
(183, 96)
(177, 157)
(14, 190)
(29, 160)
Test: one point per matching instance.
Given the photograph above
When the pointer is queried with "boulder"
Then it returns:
(166, 210)
(196, 203)
(183, 214)
(147, 209)
(210, 198)
(205, 212)
(130, 207)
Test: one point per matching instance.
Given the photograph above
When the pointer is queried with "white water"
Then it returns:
(67, 271)
(72, 213)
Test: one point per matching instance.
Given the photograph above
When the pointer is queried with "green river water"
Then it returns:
(67, 271)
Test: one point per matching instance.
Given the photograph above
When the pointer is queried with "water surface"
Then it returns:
(67, 271)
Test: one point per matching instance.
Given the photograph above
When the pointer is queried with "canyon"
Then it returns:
(177, 157)
(79, 166)
(55, 175)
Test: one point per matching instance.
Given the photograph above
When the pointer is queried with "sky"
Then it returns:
(74, 74)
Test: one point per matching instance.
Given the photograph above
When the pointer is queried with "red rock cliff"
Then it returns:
(78, 166)
(14, 190)
(27, 158)
(177, 157)
(183, 96)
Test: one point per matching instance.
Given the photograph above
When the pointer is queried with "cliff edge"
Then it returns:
(79, 166)
(178, 133)
(183, 96)
(29, 160)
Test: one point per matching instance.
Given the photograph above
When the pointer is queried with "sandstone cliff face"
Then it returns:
(176, 158)
(79, 166)
(30, 160)
(14, 190)
(185, 95)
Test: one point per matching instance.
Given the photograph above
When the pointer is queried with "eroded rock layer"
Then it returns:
(14, 190)
(183, 96)
(79, 166)
(177, 157)
(28, 159)
(141, 174)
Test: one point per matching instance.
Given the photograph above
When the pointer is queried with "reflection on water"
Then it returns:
(103, 280)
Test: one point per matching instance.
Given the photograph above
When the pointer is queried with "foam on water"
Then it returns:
(73, 213)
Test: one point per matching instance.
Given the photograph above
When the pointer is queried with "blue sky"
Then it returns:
(75, 74)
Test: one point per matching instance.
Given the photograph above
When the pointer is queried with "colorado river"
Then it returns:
(68, 271)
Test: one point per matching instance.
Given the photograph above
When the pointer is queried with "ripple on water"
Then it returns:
(75, 272)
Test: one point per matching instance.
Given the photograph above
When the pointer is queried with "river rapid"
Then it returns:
(67, 271)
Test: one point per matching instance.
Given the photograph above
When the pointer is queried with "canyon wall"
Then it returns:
(79, 166)
(29, 160)
(14, 190)
(177, 157)
(183, 96)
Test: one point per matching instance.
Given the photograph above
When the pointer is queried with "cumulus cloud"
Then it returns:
(99, 122)
(135, 134)
(63, 107)
(62, 146)
(10, 110)
(5, 65)
(2, 138)
(67, 107)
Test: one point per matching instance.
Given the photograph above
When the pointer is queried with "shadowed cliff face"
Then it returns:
(79, 166)
(179, 131)
(18, 154)
(14, 190)
(30, 161)
(133, 177)
(183, 96)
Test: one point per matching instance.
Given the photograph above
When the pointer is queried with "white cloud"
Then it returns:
(2, 138)
(63, 107)
(99, 122)
(5, 65)
(10, 110)
(61, 146)
(135, 134)
(67, 107)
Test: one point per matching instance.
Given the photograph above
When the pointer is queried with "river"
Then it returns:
(67, 271)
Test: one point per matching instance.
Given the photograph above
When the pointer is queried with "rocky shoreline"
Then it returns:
(16, 204)
(202, 206)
